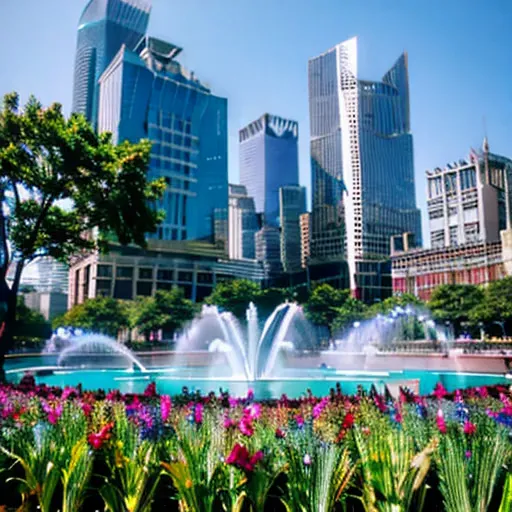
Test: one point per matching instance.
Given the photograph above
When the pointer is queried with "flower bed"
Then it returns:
(71, 450)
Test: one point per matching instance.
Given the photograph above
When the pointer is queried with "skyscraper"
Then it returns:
(268, 161)
(105, 25)
(146, 93)
(361, 158)
(243, 224)
(292, 204)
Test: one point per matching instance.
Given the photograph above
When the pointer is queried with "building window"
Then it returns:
(104, 271)
(185, 276)
(165, 275)
(144, 289)
(145, 273)
(124, 272)
(123, 290)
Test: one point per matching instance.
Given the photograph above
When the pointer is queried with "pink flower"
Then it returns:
(253, 411)
(228, 422)
(307, 460)
(241, 458)
(482, 391)
(198, 414)
(165, 407)
(233, 402)
(250, 394)
(366, 431)
(440, 391)
(300, 420)
(469, 428)
(319, 407)
(246, 427)
(441, 424)
(468, 454)
(67, 392)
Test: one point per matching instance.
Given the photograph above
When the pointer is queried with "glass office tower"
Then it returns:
(146, 93)
(292, 204)
(362, 160)
(269, 160)
(105, 25)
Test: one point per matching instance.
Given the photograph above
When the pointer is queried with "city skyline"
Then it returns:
(460, 101)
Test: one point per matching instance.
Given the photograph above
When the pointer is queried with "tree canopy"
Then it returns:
(454, 303)
(323, 305)
(62, 180)
(167, 310)
(102, 315)
(234, 295)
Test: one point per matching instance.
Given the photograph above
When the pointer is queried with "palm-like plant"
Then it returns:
(318, 474)
(134, 469)
(196, 466)
(76, 476)
(469, 469)
(51, 456)
(393, 473)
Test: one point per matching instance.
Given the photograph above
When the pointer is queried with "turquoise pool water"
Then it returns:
(293, 383)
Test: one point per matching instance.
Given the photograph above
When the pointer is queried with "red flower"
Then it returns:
(440, 391)
(150, 390)
(348, 422)
(241, 458)
(96, 440)
(280, 434)
(469, 428)
(441, 424)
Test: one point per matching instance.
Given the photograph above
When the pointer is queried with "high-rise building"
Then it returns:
(268, 161)
(268, 249)
(362, 160)
(105, 26)
(469, 211)
(467, 200)
(292, 204)
(243, 224)
(146, 93)
(305, 229)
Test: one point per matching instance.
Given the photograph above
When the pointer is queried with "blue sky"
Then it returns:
(255, 52)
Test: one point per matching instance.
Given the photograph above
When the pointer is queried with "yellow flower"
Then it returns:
(188, 483)
(120, 444)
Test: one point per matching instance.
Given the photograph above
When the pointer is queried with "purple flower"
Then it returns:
(165, 407)
(300, 420)
(253, 411)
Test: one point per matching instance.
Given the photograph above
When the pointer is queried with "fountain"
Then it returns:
(252, 356)
(400, 324)
(94, 350)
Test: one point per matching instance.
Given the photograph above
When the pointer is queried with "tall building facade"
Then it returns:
(467, 200)
(269, 160)
(362, 160)
(292, 204)
(470, 227)
(268, 249)
(243, 224)
(105, 26)
(146, 93)
(305, 234)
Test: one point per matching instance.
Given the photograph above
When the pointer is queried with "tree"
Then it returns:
(496, 304)
(167, 310)
(453, 303)
(353, 310)
(60, 180)
(30, 323)
(234, 296)
(101, 315)
(323, 305)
